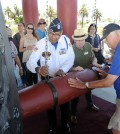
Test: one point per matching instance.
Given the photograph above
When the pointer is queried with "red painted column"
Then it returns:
(67, 13)
(30, 11)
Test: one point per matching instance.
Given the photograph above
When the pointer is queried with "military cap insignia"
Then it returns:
(58, 26)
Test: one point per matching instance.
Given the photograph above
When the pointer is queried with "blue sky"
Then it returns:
(109, 8)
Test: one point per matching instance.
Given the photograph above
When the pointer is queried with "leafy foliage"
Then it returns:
(97, 15)
(83, 12)
(51, 13)
(16, 15)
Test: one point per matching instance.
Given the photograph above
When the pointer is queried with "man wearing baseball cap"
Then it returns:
(56, 57)
(109, 28)
(111, 36)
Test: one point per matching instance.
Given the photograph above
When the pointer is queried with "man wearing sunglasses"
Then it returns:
(60, 58)
(41, 28)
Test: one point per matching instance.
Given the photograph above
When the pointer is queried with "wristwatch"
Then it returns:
(87, 84)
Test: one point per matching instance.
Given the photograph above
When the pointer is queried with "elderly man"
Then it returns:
(56, 58)
(111, 36)
(84, 58)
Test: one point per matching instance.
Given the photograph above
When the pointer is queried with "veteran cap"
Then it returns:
(55, 25)
(109, 28)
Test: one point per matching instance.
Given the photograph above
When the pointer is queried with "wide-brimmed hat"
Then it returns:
(108, 29)
(79, 34)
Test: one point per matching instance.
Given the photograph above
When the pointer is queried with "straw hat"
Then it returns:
(79, 35)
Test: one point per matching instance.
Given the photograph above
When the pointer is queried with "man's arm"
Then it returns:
(33, 59)
(107, 82)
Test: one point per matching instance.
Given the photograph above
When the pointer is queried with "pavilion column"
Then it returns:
(30, 11)
(67, 13)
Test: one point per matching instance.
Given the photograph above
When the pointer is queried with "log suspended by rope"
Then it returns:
(43, 96)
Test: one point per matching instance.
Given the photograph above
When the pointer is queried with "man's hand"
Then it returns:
(102, 73)
(78, 68)
(20, 71)
(95, 49)
(76, 83)
(108, 60)
(97, 65)
(43, 71)
(60, 73)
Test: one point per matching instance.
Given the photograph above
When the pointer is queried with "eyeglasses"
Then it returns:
(42, 23)
(30, 28)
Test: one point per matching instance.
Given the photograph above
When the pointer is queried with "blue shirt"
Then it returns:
(94, 42)
(40, 33)
(115, 69)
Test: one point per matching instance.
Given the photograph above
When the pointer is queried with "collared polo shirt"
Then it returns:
(83, 57)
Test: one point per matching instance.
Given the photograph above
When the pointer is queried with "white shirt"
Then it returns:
(61, 57)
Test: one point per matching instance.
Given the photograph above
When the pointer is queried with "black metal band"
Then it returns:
(54, 92)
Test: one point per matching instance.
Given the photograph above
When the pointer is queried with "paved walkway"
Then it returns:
(107, 94)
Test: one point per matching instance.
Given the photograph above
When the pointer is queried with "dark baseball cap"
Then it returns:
(109, 28)
(55, 25)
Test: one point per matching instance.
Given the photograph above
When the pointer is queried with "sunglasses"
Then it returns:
(42, 23)
(30, 28)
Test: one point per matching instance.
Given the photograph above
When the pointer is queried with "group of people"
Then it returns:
(63, 57)
(54, 55)
(111, 36)
(23, 43)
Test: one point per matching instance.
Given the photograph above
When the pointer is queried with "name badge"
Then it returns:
(85, 53)
(62, 51)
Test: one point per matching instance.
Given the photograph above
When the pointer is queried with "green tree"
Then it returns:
(97, 15)
(16, 15)
(83, 12)
(51, 13)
